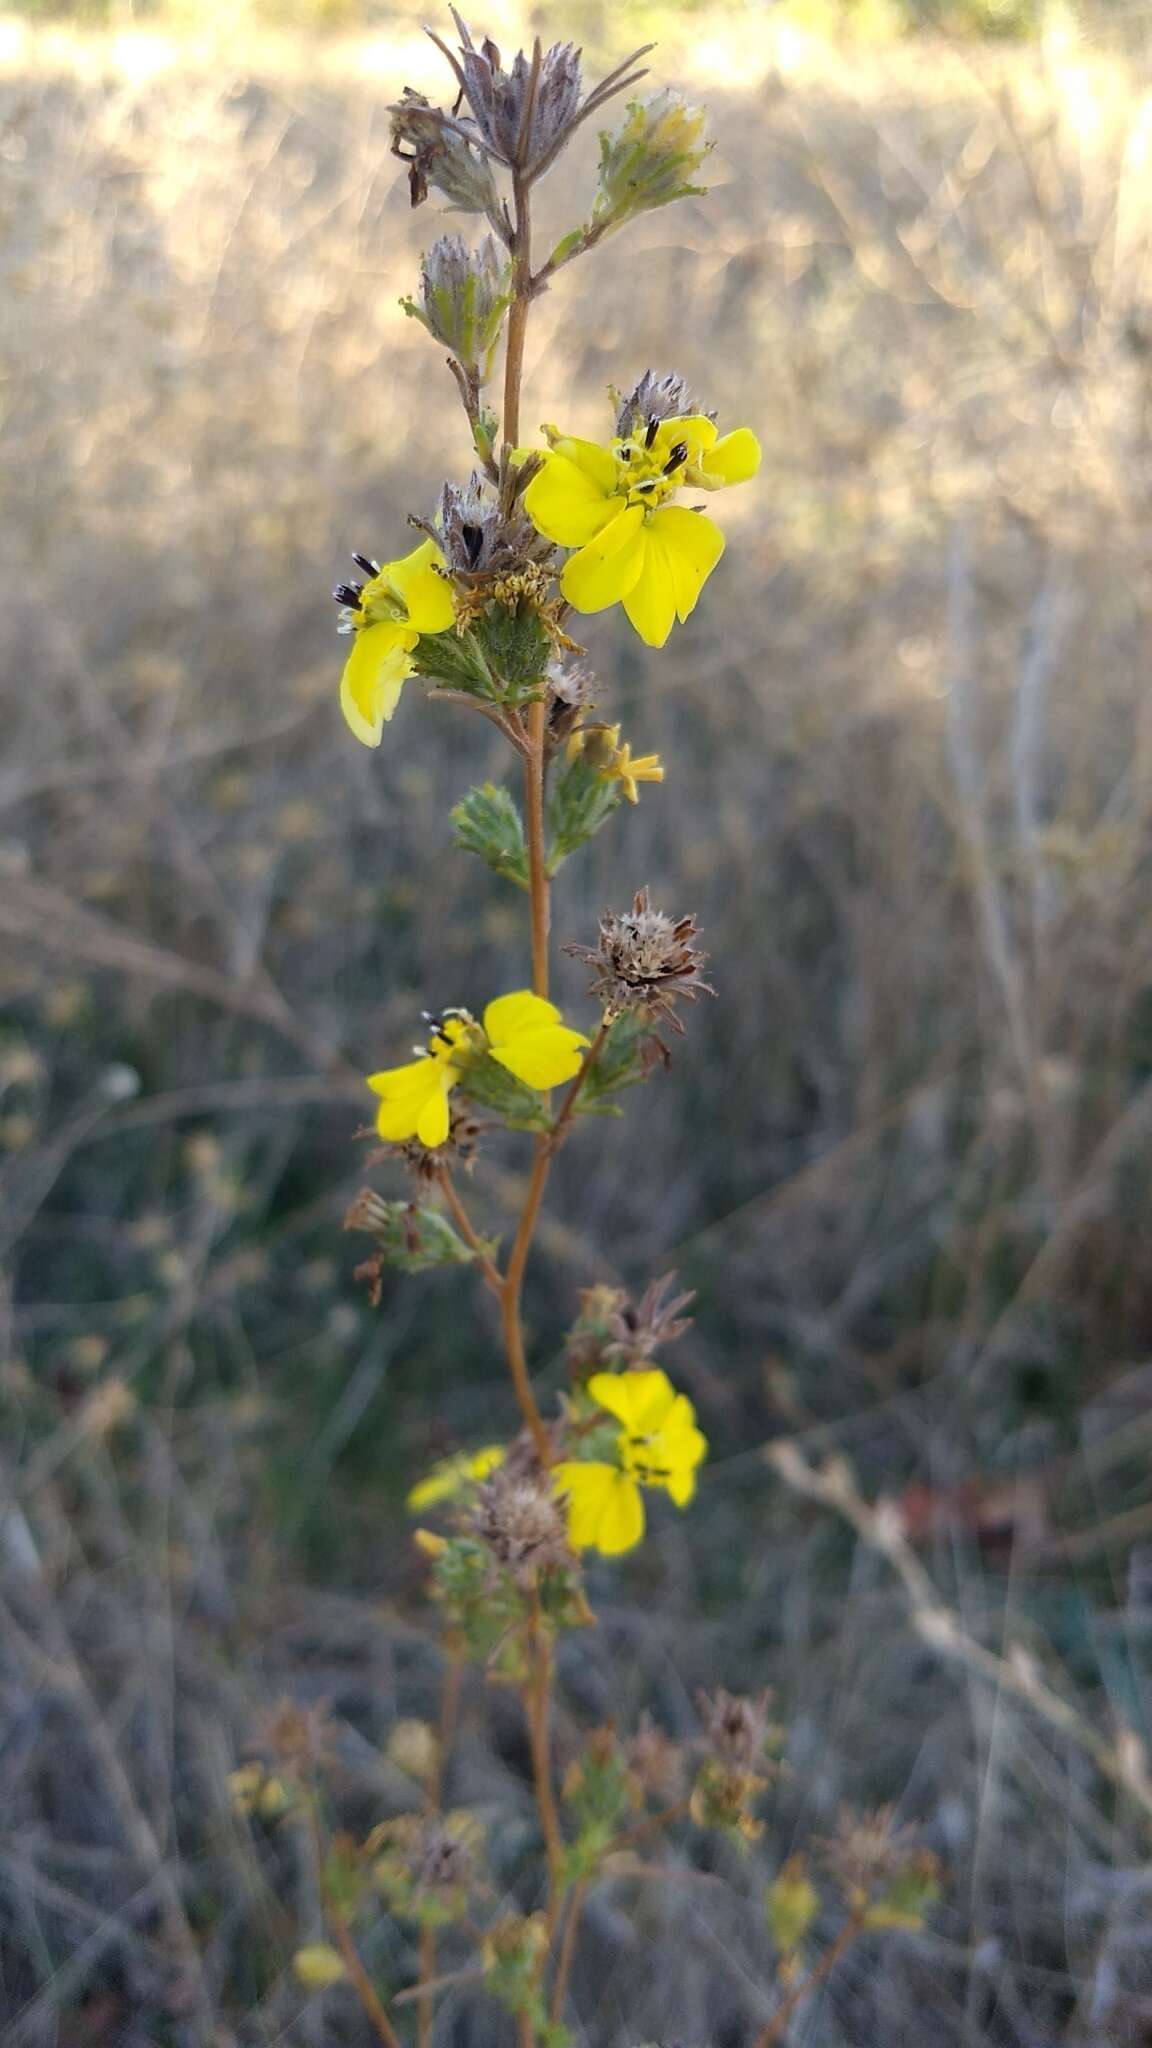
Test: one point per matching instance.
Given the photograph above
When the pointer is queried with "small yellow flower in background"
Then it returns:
(632, 548)
(450, 1478)
(522, 1031)
(659, 1445)
(318, 1966)
(613, 759)
(387, 615)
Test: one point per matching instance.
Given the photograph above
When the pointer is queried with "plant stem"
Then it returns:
(518, 311)
(774, 2031)
(537, 1703)
(342, 1940)
(449, 1704)
(534, 833)
(567, 1947)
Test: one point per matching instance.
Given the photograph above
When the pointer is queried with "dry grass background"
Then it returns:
(905, 1158)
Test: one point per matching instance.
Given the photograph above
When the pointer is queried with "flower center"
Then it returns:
(645, 474)
(639, 1454)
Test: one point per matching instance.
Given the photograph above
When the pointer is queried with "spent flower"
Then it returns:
(522, 113)
(645, 963)
(439, 154)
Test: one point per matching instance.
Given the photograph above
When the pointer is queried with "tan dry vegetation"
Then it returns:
(905, 1158)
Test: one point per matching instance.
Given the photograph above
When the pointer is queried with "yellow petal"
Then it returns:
(651, 602)
(521, 1010)
(433, 1120)
(680, 1487)
(542, 1059)
(732, 460)
(692, 546)
(452, 1475)
(394, 1082)
(605, 1510)
(426, 596)
(606, 570)
(598, 464)
(640, 1400)
(565, 505)
(696, 430)
(373, 679)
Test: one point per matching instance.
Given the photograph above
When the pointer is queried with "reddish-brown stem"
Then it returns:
(567, 1948)
(518, 311)
(534, 834)
(342, 1940)
(472, 1238)
(449, 1704)
(537, 1701)
(774, 2031)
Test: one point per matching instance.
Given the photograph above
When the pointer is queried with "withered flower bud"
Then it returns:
(439, 155)
(521, 1520)
(521, 114)
(463, 299)
(635, 1334)
(479, 543)
(656, 1762)
(645, 962)
(666, 397)
(866, 1851)
(587, 1341)
(736, 1728)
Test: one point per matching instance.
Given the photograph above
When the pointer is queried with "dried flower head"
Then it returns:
(299, 1738)
(439, 154)
(736, 1727)
(523, 114)
(867, 1851)
(520, 1520)
(644, 962)
(636, 1333)
(664, 397)
(657, 1764)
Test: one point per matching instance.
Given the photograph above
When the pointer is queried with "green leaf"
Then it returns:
(566, 247)
(488, 1083)
(486, 822)
(456, 661)
(515, 647)
(617, 1065)
(581, 800)
(414, 1238)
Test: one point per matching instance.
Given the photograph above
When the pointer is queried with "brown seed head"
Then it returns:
(867, 1851)
(645, 962)
(736, 1727)
(521, 1520)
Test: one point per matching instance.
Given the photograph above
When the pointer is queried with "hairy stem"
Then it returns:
(777, 2025)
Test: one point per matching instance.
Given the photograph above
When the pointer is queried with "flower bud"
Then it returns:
(463, 298)
(651, 159)
(520, 119)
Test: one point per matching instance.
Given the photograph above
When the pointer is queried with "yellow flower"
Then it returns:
(659, 1445)
(522, 1031)
(318, 1966)
(632, 547)
(614, 761)
(387, 616)
(450, 1476)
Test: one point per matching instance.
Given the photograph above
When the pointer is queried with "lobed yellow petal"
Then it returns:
(605, 1508)
(681, 1487)
(642, 1401)
(691, 546)
(651, 602)
(542, 1059)
(520, 1010)
(607, 568)
(565, 504)
(373, 678)
(732, 460)
(434, 1119)
(425, 594)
